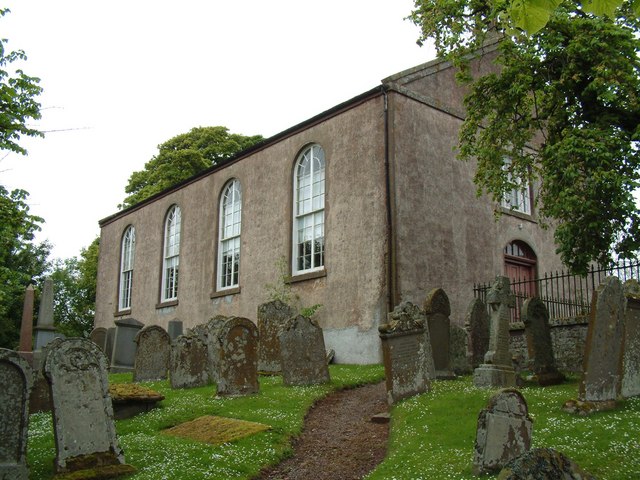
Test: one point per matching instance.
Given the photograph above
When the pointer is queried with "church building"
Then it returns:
(364, 206)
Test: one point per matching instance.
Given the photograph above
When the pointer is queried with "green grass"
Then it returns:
(432, 435)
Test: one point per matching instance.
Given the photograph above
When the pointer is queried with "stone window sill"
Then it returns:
(224, 293)
(308, 276)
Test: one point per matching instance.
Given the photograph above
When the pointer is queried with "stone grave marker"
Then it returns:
(16, 378)
(108, 343)
(437, 310)
(124, 345)
(543, 464)
(458, 354)
(83, 424)
(503, 433)
(174, 328)
(238, 339)
(153, 350)
(405, 346)
(631, 358)
(303, 354)
(272, 316)
(497, 369)
(188, 362)
(477, 326)
(535, 316)
(99, 336)
(45, 330)
(213, 346)
(602, 367)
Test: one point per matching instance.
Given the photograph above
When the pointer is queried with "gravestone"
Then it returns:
(543, 463)
(174, 328)
(303, 353)
(26, 327)
(238, 339)
(477, 326)
(108, 344)
(497, 369)
(188, 362)
(45, 330)
(535, 316)
(437, 310)
(16, 379)
(83, 424)
(503, 432)
(458, 354)
(405, 347)
(99, 336)
(153, 350)
(272, 316)
(602, 367)
(631, 358)
(213, 346)
(124, 345)
(40, 398)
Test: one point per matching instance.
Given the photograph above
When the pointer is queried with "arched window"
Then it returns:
(127, 252)
(171, 256)
(308, 211)
(229, 238)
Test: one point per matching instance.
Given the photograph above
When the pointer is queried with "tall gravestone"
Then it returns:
(477, 326)
(437, 309)
(602, 367)
(405, 347)
(303, 353)
(631, 358)
(16, 379)
(99, 336)
(213, 346)
(188, 362)
(238, 339)
(153, 349)
(174, 329)
(458, 352)
(503, 432)
(272, 317)
(535, 316)
(497, 369)
(45, 330)
(83, 424)
(124, 345)
(26, 327)
(108, 344)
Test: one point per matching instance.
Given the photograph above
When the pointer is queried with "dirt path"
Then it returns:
(339, 440)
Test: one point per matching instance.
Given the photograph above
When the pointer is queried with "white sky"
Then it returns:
(127, 75)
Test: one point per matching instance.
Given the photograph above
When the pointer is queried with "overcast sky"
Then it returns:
(122, 77)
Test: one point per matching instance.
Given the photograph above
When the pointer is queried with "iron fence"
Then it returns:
(565, 295)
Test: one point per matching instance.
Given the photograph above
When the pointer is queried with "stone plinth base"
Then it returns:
(445, 375)
(494, 376)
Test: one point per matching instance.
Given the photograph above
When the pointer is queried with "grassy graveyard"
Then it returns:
(432, 435)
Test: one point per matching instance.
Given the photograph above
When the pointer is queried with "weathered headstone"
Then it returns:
(188, 363)
(477, 326)
(45, 330)
(108, 345)
(16, 379)
(437, 310)
(405, 346)
(535, 316)
(124, 345)
(497, 369)
(543, 463)
(174, 328)
(272, 316)
(213, 346)
(26, 328)
(84, 429)
(303, 353)
(152, 354)
(602, 367)
(458, 354)
(238, 357)
(503, 433)
(631, 358)
(99, 336)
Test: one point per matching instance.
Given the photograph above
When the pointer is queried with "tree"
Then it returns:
(17, 99)
(182, 157)
(75, 292)
(22, 261)
(571, 89)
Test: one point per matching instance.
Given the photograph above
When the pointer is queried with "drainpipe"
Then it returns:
(391, 249)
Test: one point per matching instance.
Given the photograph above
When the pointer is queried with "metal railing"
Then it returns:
(565, 295)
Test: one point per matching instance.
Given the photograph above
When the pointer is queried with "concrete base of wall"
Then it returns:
(354, 346)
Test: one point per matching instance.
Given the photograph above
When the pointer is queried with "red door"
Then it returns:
(520, 267)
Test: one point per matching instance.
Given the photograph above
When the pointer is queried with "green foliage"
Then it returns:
(75, 292)
(17, 99)
(183, 156)
(22, 262)
(570, 90)
(161, 456)
(281, 290)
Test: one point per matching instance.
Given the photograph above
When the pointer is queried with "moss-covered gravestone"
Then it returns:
(238, 357)
(304, 358)
(16, 380)
(85, 434)
(631, 359)
(272, 317)
(188, 365)
(437, 310)
(153, 349)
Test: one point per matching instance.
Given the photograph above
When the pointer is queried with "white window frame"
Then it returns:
(230, 226)
(171, 254)
(127, 256)
(519, 198)
(308, 252)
